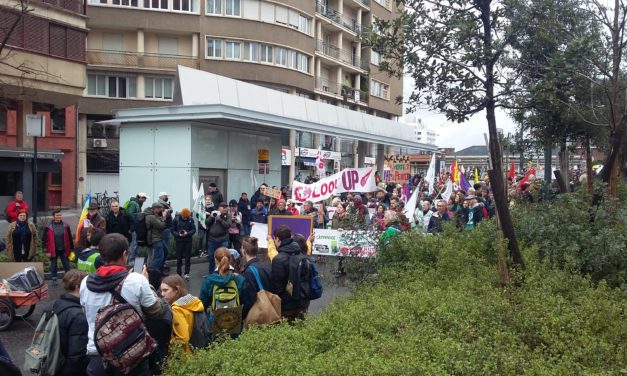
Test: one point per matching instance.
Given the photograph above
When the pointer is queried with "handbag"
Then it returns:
(267, 307)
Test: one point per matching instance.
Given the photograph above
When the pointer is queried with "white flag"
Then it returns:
(320, 166)
(253, 179)
(194, 189)
(448, 191)
(199, 205)
(431, 174)
(410, 206)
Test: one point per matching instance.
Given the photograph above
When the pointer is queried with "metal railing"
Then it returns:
(76, 6)
(338, 18)
(136, 59)
(323, 84)
(364, 2)
(341, 55)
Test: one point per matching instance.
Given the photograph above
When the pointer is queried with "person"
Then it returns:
(215, 194)
(160, 329)
(156, 222)
(89, 259)
(340, 220)
(218, 233)
(261, 194)
(183, 229)
(291, 206)
(235, 223)
(281, 209)
(72, 325)
(14, 207)
(117, 221)
(22, 239)
(95, 292)
(164, 201)
(202, 232)
(376, 222)
(250, 250)
(168, 211)
(243, 206)
(422, 215)
(56, 240)
(392, 226)
(259, 214)
(184, 305)
(473, 214)
(94, 219)
(437, 218)
(383, 198)
(291, 309)
(358, 212)
(133, 207)
(220, 277)
(320, 218)
(7, 367)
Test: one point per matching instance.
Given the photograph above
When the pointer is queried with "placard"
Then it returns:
(260, 231)
(325, 242)
(299, 224)
(397, 169)
(358, 243)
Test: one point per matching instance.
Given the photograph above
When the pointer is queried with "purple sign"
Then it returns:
(299, 224)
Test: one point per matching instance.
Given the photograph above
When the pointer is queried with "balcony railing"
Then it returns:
(364, 2)
(76, 6)
(338, 18)
(135, 59)
(341, 55)
(324, 84)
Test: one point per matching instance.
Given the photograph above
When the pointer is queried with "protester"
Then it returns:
(473, 214)
(156, 222)
(184, 305)
(94, 219)
(160, 328)
(56, 240)
(340, 220)
(358, 211)
(183, 229)
(422, 215)
(7, 367)
(168, 211)
(118, 222)
(281, 209)
(133, 207)
(320, 218)
(291, 206)
(392, 226)
(218, 233)
(72, 325)
(259, 214)
(95, 292)
(89, 260)
(215, 194)
(377, 223)
(261, 194)
(22, 239)
(438, 218)
(235, 225)
(243, 206)
(250, 250)
(14, 207)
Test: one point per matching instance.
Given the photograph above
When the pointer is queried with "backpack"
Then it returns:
(299, 277)
(200, 331)
(126, 204)
(315, 291)
(120, 336)
(141, 230)
(44, 357)
(226, 310)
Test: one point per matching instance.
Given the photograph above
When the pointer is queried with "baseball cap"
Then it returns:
(142, 194)
(162, 194)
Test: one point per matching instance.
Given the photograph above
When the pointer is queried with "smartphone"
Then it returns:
(138, 266)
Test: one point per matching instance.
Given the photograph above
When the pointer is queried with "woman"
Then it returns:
(219, 280)
(376, 223)
(184, 308)
(292, 208)
(72, 325)
(340, 220)
(392, 226)
(22, 239)
(250, 250)
(235, 222)
(183, 229)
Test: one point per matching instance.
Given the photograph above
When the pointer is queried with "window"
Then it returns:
(158, 87)
(292, 59)
(55, 176)
(304, 24)
(184, 5)
(214, 6)
(214, 47)
(281, 56)
(168, 46)
(233, 50)
(232, 8)
(375, 57)
(111, 86)
(57, 120)
(3, 119)
(379, 89)
(303, 63)
(156, 4)
(126, 3)
(280, 14)
(267, 12)
(251, 51)
(266, 53)
(112, 42)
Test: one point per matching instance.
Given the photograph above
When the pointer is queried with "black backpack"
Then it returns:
(299, 277)
(140, 229)
(200, 331)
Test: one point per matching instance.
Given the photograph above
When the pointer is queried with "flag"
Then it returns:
(81, 219)
(463, 183)
(253, 179)
(512, 172)
(410, 205)
(199, 205)
(448, 191)
(476, 175)
(194, 191)
(462, 169)
(320, 167)
(431, 174)
(454, 172)
(531, 171)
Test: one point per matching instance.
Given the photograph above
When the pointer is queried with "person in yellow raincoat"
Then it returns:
(184, 305)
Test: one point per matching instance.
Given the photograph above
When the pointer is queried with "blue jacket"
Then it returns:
(179, 224)
(206, 289)
(259, 216)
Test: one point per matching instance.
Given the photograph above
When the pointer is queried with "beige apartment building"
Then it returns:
(302, 47)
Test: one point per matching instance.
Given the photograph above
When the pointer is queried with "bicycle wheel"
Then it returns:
(24, 312)
(7, 314)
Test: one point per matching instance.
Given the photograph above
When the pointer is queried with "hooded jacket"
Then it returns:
(155, 224)
(206, 289)
(217, 228)
(281, 272)
(183, 318)
(73, 332)
(178, 224)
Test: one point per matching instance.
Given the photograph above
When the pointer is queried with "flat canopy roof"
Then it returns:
(203, 96)
(15, 152)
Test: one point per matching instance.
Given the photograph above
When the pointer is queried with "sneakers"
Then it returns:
(186, 276)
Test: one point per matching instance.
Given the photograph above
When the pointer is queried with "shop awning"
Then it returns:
(6, 152)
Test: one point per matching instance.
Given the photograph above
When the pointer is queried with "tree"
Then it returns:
(453, 50)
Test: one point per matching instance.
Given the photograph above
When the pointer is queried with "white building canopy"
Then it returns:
(205, 97)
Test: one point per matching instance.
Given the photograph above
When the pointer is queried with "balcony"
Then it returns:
(341, 55)
(325, 85)
(76, 6)
(137, 60)
(348, 93)
(338, 18)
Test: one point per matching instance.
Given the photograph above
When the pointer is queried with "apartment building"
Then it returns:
(302, 47)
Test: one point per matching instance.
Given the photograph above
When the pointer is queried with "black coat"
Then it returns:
(188, 225)
(265, 269)
(281, 272)
(122, 224)
(244, 208)
(216, 197)
(217, 228)
(73, 332)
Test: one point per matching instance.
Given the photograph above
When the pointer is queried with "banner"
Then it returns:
(299, 224)
(347, 180)
(357, 243)
(260, 231)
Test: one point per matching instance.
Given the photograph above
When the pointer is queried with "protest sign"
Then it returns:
(347, 180)
(325, 242)
(299, 224)
(260, 231)
(358, 243)
(396, 169)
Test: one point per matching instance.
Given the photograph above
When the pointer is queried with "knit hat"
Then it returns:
(94, 205)
(185, 213)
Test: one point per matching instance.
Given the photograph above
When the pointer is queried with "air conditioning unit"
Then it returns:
(100, 143)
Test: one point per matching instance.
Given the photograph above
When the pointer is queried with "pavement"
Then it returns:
(19, 335)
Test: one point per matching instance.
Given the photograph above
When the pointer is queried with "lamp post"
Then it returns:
(35, 128)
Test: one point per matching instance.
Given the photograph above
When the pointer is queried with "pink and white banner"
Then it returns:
(347, 180)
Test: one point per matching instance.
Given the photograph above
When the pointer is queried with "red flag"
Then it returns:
(512, 171)
(531, 171)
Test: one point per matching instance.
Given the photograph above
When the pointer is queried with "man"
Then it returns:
(156, 222)
(57, 241)
(243, 206)
(287, 247)
(94, 219)
(15, 207)
(281, 209)
(383, 198)
(235, 221)
(217, 233)
(96, 290)
(89, 259)
(261, 194)
(438, 218)
(118, 221)
(474, 213)
(164, 201)
(167, 209)
(215, 194)
(422, 215)
(259, 214)
(320, 218)
(133, 207)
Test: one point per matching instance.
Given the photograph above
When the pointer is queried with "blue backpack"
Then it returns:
(315, 291)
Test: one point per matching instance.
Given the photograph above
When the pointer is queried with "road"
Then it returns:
(19, 335)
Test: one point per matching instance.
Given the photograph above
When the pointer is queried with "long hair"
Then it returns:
(223, 260)
(177, 283)
(302, 242)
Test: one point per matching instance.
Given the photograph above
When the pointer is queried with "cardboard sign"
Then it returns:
(299, 224)
(325, 242)
(347, 180)
(260, 231)
(275, 193)
(397, 169)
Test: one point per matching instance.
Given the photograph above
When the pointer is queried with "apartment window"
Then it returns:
(112, 42)
(304, 24)
(57, 120)
(184, 5)
(233, 50)
(214, 47)
(126, 3)
(292, 58)
(303, 63)
(158, 87)
(280, 14)
(375, 57)
(111, 86)
(266, 53)
(281, 56)
(168, 46)
(156, 4)
(4, 114)
(214, 6)
(251, 51)
(379, 89)
(232, 8)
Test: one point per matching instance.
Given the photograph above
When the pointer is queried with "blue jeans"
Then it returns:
(211, 248)
(53, 264)
(158, 255)
(133, 247)
(246, 229)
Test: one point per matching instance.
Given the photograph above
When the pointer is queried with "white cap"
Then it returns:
(142, 194)
(162, 194)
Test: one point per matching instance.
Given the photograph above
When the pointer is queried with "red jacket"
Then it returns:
(13, 210)
(48, 240)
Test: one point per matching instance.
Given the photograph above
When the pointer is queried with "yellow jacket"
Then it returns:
(183, 319)
(272, 251)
